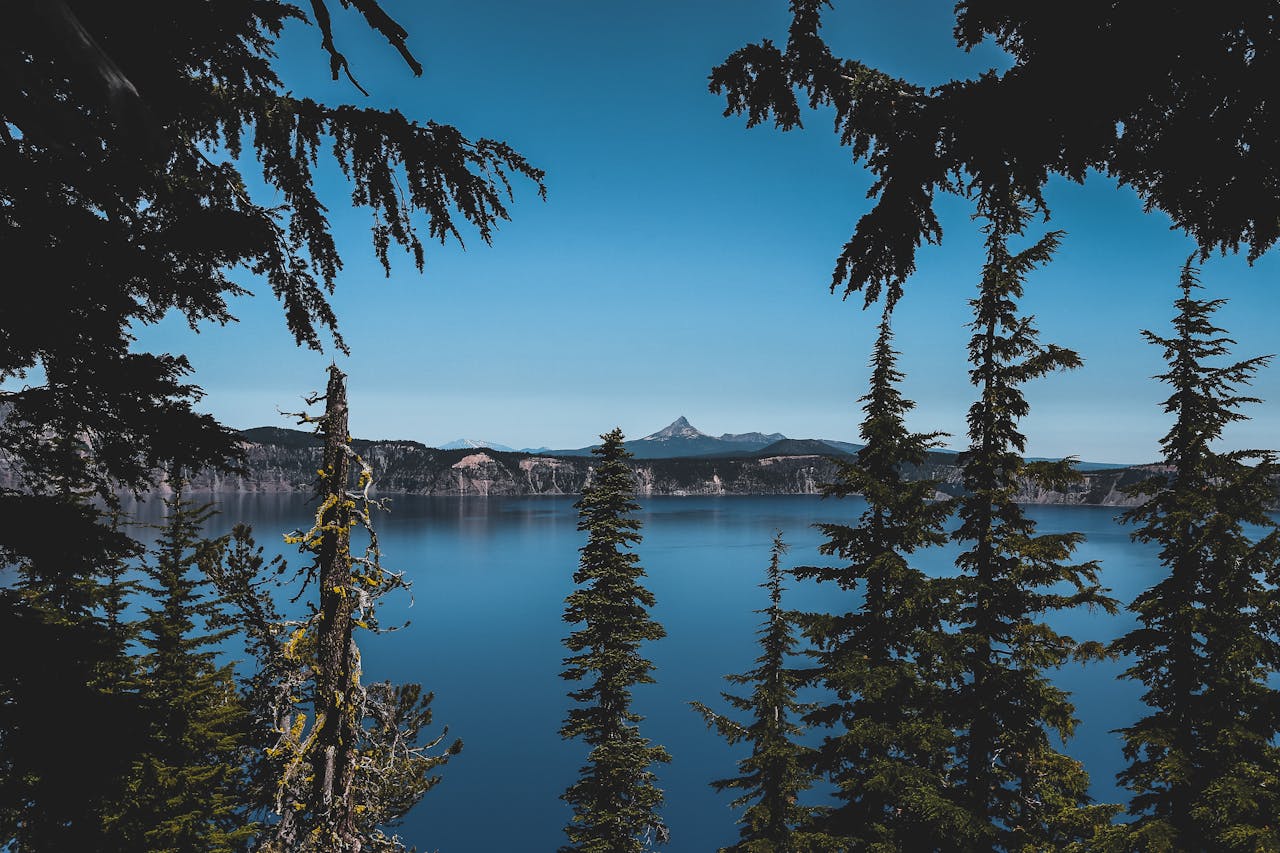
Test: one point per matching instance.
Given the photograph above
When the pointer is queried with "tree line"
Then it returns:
(938, 724)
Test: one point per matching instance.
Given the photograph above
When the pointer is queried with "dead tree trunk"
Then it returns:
(337, 660)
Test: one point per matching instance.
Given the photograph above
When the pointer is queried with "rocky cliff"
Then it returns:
(282, 460)
(286, 461)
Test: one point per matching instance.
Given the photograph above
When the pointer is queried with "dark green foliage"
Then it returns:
(123, 129)
(109, 118)
(185, 790)
(884, 661)
(1203, 764)
(65, 694)
(615, 800)
(1187, 119)
(1021, 792)
(775, 773)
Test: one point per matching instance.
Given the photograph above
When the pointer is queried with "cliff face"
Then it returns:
(405, 467)
(281, 461)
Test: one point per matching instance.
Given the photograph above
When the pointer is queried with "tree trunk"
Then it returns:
(336, 656)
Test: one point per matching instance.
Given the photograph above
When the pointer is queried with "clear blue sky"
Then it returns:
(680, 263)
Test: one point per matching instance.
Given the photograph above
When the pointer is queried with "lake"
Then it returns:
(490, 576)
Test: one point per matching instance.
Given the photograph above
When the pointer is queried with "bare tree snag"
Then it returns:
(337, 659)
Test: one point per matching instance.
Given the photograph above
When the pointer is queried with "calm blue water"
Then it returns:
(490, 577)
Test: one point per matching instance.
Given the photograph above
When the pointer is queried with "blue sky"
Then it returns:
(680, 263)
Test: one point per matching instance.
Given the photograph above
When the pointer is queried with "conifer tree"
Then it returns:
(68, 656)
(1203, 764)
(774, 774)
(615, 799)
(884, 661)
(1021, 792)
(186, 789)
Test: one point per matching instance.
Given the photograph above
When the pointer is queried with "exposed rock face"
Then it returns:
(279, 460)
(280, 463)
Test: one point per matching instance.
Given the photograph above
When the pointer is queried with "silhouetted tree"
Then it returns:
(886, 662)
(1203, 764)
(1184, 119)
(66, 696)
(775, 773)
(615, 801)
(1021, 792)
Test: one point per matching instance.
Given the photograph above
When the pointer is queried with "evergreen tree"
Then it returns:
(186, 789)
(885, 661)
(124, 131)
(1022, 793)
(775, 773)
(615, 800)
(1184, 120)
(1203, 764)
(69, 657)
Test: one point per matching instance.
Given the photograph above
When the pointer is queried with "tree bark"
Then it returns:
(336, 656)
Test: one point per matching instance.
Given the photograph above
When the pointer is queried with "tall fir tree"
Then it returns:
(1022, 793)
(1203, 764)
(885, 660)
(776, 772)
(615, 799)
(186, 789)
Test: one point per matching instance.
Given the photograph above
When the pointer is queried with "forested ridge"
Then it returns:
(918, 713)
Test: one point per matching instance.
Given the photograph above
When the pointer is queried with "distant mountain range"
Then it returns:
(682, 440)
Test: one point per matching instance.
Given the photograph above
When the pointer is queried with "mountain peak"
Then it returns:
(474, 444)
(679, 428)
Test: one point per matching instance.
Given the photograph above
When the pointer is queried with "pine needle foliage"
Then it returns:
(775, 773)
(1203, 764)
(1022, 793)
(67, 697)
(883, 660)
(186, 788)
(615, 800)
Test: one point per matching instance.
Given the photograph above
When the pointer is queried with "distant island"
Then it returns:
(676, 460)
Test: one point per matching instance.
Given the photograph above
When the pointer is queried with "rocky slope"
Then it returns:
(286, 461)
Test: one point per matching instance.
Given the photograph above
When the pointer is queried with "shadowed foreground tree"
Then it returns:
(1187, 119)
(775, 773)
(186, 790)
(615, 800)
(124, 133)
(1020, 791)
(1203, 764)
(887, 662)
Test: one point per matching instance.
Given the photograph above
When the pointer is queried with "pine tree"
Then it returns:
(615, 799)
(1022, 793)
(69, 657)
(884, 661)
(1203, 764)
(186, 789)
(774, 774)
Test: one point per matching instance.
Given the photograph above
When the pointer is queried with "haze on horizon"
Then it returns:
(680, 264)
